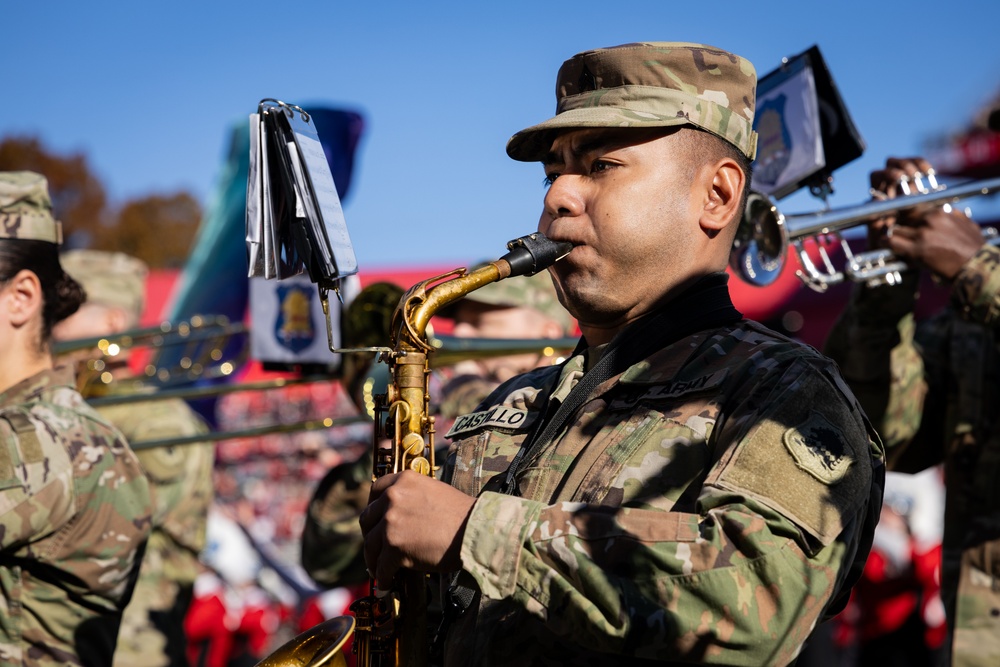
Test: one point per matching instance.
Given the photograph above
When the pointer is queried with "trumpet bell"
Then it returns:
(765, 234)
(761, 242)
(320, 646)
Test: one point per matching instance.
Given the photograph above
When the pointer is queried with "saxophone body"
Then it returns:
(390, 624)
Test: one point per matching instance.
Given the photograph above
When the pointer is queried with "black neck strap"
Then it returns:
(705, 305)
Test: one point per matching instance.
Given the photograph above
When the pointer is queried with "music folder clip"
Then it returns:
(294, 219)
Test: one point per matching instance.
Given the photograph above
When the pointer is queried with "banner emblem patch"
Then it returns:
(818, 448)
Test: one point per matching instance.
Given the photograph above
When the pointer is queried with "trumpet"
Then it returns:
(765, 235)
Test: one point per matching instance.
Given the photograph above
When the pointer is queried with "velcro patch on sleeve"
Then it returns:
(818, 448)
(499, 416)
(31, 447)
(807, 458)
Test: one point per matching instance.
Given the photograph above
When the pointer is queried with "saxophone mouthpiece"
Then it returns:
(534, 253)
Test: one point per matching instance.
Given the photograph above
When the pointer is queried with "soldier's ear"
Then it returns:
(723, 195)
(23, 298)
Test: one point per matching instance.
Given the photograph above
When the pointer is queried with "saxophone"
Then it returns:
(390, 625)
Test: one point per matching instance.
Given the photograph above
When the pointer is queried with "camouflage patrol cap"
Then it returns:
(25, 208)
(110, 278)
(534, 291)
(650, 84)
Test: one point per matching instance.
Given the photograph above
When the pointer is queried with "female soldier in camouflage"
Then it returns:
(74, 504)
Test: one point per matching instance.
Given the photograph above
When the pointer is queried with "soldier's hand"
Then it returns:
(935, 237)
(942, 239)
(898, 176)
(413, 521)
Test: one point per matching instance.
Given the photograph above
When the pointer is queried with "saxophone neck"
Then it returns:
(425, 299)
(528, 255)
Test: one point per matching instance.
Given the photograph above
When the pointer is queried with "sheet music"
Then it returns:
(306, 211)
(269, 227)
(330, 209)
(295, 220)
(331, 212)
(254, 216)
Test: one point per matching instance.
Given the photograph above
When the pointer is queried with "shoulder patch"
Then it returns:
(812, 466)
(31, 447)
(818, 448)
(499, 416)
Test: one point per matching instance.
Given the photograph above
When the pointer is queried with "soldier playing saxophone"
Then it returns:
(689, 486)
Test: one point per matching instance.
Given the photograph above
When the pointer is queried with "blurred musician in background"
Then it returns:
(74, 505)
(932, 388)
(180, 477)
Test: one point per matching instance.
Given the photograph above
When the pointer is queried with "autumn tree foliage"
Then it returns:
(157, 228)
(77, 195)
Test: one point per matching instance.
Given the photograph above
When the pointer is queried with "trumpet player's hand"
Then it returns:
(942, 239)
(413, 521)
(938, 238)
(888, 183)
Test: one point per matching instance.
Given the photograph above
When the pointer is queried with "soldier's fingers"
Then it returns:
(897, 177)
(890, 181)
(914, 174)
(372, 548)
(372, 515)
(906, 232)
(879, 230)
(880, 178)
(381, 558)
(904, 247)
(910, 165)
(380, 485)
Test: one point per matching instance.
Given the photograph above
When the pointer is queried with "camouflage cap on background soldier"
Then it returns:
(534, 291)
(26, 209)
(650, 84)
(111, 279)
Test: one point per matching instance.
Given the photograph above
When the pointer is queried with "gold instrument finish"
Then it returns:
(392, 623)
(319, 646)
(204, 355)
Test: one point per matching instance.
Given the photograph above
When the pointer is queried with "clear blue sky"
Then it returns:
(148, 91)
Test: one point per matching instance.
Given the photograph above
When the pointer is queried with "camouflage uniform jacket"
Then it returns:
(933, 389)
(708, 505)
(180, 479)
(74, 516)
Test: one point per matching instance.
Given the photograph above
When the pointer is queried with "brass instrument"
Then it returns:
(450, 350)
(765, 234)
(204, 337)
(319, 646)
(391, 625)
(252, 432)
(447, 350)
